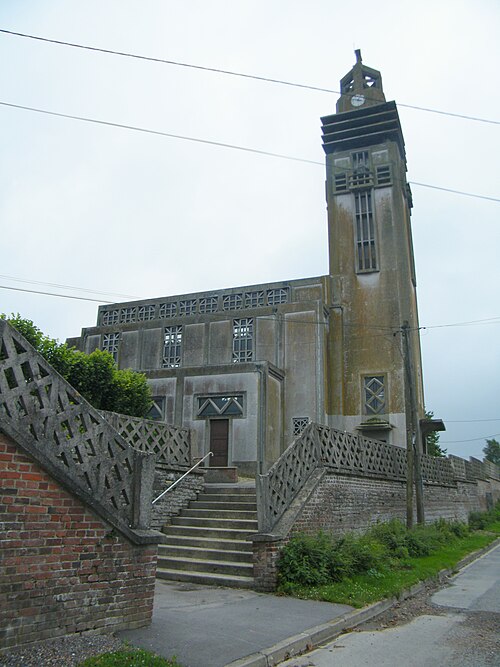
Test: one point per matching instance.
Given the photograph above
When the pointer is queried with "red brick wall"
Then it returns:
(342, 503)
(62, 568)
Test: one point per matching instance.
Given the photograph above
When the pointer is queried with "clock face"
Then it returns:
(357, 100)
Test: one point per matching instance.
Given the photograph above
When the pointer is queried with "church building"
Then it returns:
(247, 368)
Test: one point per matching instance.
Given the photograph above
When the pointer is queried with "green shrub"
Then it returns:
(393, 535)
(363, 552)
(305, 560)
(321, 560)
(129, 658)
(478, 520)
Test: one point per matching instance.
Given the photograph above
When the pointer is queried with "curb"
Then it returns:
(321, 634)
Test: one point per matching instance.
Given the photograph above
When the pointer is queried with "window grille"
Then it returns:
(209, 304)
(243, 340)
(361, 175)
(365, 232)
(168, 310)
(146, 313)
(110, 343)
(254, 299)
(299, 424)
(340, 181)
(172, 347)
(127, 315)
(217, 406)
(187, 307)
(275, 296)
(110, 317)
(232, 302)
(374, 398)
(384, 175)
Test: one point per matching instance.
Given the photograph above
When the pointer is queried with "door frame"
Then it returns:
(229, 437)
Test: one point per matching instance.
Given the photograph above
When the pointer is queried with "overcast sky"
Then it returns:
(120, 212)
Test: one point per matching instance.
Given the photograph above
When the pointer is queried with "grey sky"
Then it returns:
(117, 211)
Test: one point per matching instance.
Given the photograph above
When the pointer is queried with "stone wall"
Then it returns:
(64, 569)
(173, 501)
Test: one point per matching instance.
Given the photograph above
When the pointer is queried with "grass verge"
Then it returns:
(361, 569)
(129, 657)
(362, 589)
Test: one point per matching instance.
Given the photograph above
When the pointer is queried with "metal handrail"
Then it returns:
(169, 488)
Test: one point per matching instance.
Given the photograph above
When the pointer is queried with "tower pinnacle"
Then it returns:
(361, 87)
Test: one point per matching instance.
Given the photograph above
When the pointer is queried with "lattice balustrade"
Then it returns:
(381, 459)
(169, 444)
(492, 470)
(340, 450)
(437, 469)
(48, 418)
(478, 468)
(286, 477)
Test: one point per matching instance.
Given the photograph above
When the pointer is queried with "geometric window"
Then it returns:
(172, 347)
(275, 296)
(157, 410)
(384, 174)
(254, 299)
(361, 169)
(127, 315)
(146, 313)
(374, 398)
(110, 317)
(217, 406)
(209, 304)
(299, 424)
(168, 309)
(341, 181)
(366, 256)
(243, 340)
(232, 301)
(110, 344)
(187, 307)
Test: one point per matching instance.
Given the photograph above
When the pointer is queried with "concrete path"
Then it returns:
(205, 626)
(466, 635)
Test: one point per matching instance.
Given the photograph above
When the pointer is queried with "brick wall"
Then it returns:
(63, 569)
(265, 564)
(342, 503)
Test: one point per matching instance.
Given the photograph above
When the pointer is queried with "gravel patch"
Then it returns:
(63, 652)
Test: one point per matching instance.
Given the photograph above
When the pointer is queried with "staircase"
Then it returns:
(206, 543)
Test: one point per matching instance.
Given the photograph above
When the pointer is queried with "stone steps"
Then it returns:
(207, 544)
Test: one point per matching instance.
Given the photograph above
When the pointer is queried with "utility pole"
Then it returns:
(414, 471)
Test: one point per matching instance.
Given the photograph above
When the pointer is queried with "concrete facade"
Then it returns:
(264, 360)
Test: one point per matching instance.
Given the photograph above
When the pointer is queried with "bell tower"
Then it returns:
(371, 264)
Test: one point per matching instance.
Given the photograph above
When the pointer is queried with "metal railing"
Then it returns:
(169, 488)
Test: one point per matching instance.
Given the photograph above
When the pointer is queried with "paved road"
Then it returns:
(464, 632)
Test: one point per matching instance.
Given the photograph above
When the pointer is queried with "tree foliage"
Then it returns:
(94, 375)
(492, 451)
(433, 446)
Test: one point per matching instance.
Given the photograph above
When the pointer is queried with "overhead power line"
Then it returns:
(220, 144)
(389, 331)
(70, 287)
(451, 442)
(164, 61)
(63, 296)
(469, 421)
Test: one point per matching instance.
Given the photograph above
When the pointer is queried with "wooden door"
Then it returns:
(219, 438)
